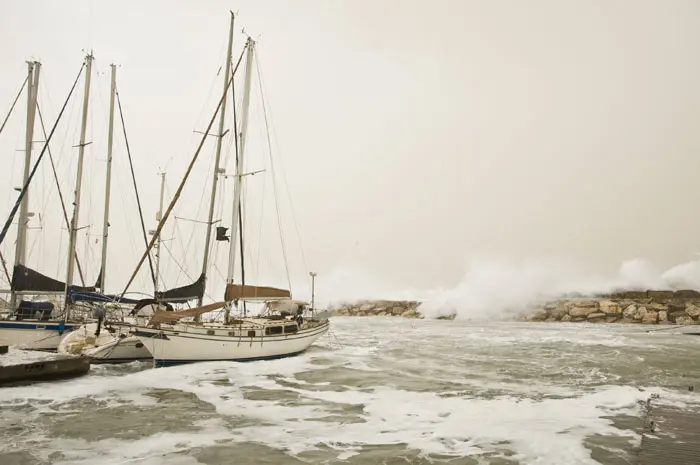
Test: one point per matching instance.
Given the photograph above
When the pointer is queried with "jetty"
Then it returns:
(671, 436)
(24, 366)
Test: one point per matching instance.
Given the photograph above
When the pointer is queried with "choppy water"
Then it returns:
(376, 391)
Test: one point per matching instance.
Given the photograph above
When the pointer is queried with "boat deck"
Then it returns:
(671, 437)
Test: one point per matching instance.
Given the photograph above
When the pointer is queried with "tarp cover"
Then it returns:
(184, 293)
(245, 292)
(78, 296)
(26, 279)
(162, 317)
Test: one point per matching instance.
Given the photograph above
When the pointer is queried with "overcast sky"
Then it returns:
(414, 136)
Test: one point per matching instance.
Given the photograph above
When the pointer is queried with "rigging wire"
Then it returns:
(284, 175)
(72, 111)
(92, 251)
(129, 224)
(13, 105)
(178, 192)
(240, 208)
(23, 192)
(274, 185)
(222, 196)
(4, 266)
(181, 266)
(260, 228)
(60, 194)
(133, 178)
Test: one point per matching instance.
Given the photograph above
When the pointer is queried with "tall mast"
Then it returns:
(78, 180)
(220, 136)
(108, 182)
(239, 166)
(33, 69)
(159, 217)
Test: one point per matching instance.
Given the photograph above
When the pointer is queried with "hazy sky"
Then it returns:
(414, 136)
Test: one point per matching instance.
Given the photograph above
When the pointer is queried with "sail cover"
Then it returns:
(164, 316)
(81, 296)
(26, 279)
(184, 293)
(245, 292)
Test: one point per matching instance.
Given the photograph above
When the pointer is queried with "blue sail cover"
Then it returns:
(75, 295)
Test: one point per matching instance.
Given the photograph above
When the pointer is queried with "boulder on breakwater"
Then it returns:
(643, 307)
(404, 308)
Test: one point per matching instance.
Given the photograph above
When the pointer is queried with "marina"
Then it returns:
(349, 233)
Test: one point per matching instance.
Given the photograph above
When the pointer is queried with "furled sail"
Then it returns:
(245, 292)
(83, 296)
(164, 316)
(184, 293)
(26, 279)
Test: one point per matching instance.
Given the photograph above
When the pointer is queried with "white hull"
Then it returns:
(183, 343)
(34, 335)
(107, 347)
(126, 349)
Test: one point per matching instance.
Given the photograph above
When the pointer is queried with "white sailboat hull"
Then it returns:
(119, 350)
(34, 335)
(120, 347)
(179, 344)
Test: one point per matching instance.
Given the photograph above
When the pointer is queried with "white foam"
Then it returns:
(550, 431)
(499, 290)
(493, 289)
(16, 356)
(543, 422)
(150, 449)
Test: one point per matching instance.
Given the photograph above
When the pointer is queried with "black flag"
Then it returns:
(221, 234)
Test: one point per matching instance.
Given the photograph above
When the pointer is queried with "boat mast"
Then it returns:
(159, 216)
(239, 166)
(108, 182)
(78, 182)
(33, 69)
(220, 136)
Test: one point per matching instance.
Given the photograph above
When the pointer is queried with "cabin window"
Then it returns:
(232, 333)
(291, 329)
(273, 330)
(251, 333)
(138, 345)
(210, 332)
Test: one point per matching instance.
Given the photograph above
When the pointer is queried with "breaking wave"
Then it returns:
(498, 289)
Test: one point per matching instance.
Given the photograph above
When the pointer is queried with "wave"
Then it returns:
(499, 289)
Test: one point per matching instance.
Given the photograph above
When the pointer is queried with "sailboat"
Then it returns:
(30, 324)
(33, 325)
(103, 342)
(285, 327)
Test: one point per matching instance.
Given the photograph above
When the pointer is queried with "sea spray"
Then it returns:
(501, 290)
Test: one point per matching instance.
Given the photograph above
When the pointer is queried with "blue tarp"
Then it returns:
(97, 297)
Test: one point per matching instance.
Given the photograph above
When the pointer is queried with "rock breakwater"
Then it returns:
(404, 308)
(643, 307)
